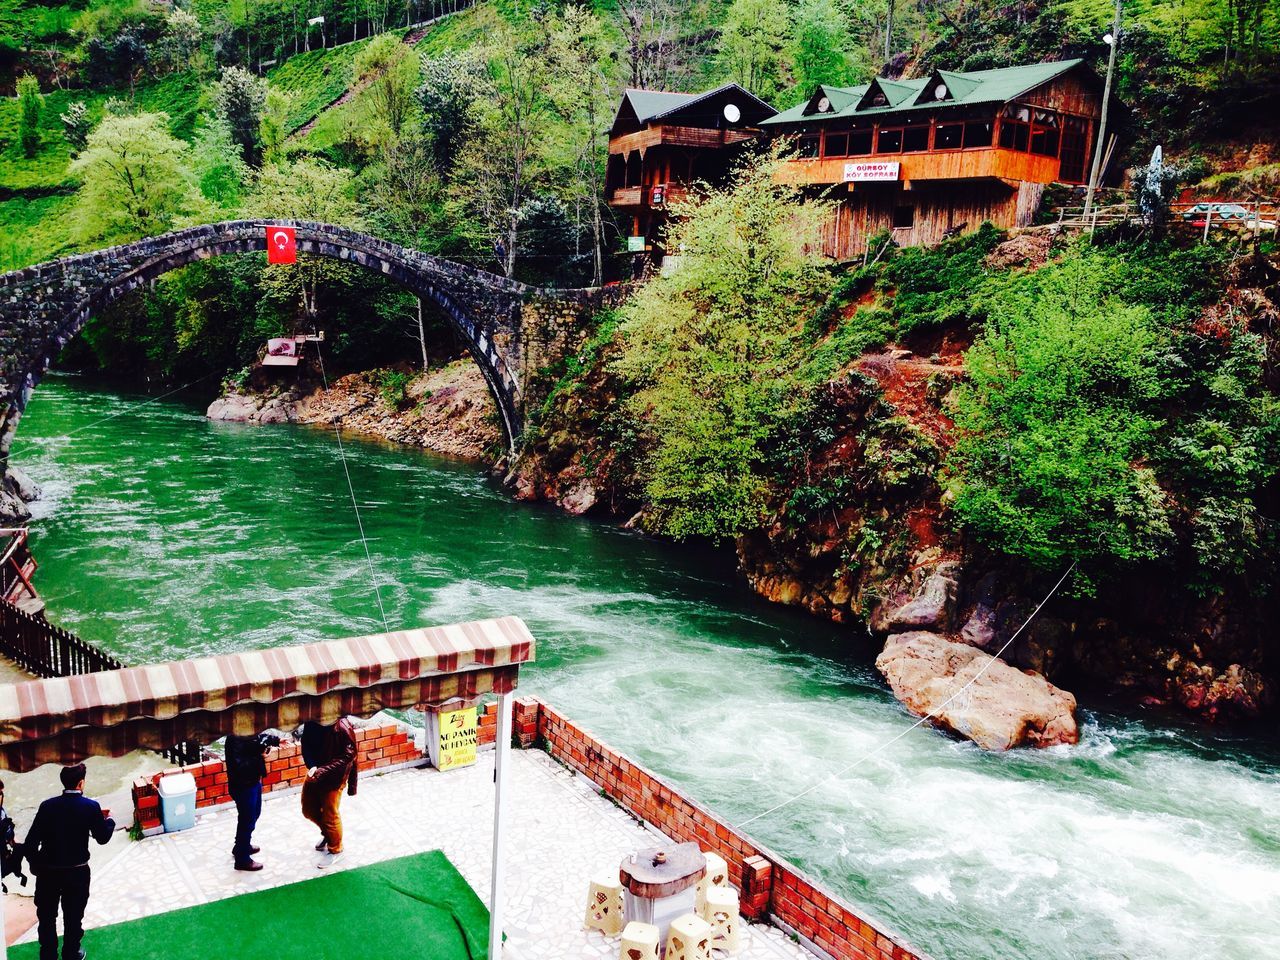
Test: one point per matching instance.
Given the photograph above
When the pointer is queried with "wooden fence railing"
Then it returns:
(41, 648)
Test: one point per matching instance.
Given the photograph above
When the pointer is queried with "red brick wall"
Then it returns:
(769, 884)
(382, 746)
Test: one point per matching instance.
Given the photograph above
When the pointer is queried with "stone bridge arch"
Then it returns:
(511, 330)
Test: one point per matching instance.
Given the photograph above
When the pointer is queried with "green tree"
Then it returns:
(76, 126)
(306, 189)
(238, 99)
(29, 103)
(218, 167)
(821, 46)
(451, 86)
(388, 69)
(273, 128)
(713, 350)
(754, 44)
(1054, 424)
(507, 155)
(583, 53)
(134, 177)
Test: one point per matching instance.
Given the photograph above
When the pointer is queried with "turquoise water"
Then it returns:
(162, 534)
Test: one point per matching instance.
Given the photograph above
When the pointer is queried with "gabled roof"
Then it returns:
(966, 89)
(648, 106)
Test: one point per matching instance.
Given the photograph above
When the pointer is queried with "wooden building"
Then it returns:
(661, 142)
(935, 156)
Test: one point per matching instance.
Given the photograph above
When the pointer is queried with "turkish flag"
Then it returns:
(282, 245)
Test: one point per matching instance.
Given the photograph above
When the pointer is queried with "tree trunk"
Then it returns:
(422, 339)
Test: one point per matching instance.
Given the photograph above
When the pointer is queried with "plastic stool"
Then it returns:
(721, 912)
(717, 875)
(639, 942)
(689, 939)
(604, 906)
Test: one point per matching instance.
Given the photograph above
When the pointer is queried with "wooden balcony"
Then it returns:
(643, 196)
(985, 163)
(678, 137)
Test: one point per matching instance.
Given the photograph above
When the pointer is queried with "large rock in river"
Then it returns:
(1003, 708)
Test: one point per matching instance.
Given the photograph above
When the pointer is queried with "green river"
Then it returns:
(163, 535)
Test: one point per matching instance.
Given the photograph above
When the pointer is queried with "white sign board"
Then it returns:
(315, 20)
(871, 172)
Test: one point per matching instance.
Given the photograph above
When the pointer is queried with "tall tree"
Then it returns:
(30, 101)
(134, 177)
(753, 45)
(649, 27)
(821, 46)
(582, 53)
(451, 85)
(506, 156)
(238, 99)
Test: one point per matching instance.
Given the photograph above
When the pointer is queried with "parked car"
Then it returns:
(1226, 215)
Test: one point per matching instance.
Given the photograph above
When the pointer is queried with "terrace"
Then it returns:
(561, 833)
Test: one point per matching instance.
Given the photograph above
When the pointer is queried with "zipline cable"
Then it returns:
(121, 413)
(342, 452)
(925, 719)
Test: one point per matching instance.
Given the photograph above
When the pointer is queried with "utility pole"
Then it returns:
(1113, 38)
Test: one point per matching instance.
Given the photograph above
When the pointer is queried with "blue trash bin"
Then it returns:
(177, 801)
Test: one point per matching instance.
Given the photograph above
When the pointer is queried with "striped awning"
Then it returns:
(66, 719)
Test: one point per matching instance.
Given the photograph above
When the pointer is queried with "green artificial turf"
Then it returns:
(413, 908)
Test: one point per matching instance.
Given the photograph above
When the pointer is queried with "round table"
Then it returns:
(657, 893)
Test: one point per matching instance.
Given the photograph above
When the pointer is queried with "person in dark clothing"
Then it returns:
(57, 848)
(330, 756)
(246, 766)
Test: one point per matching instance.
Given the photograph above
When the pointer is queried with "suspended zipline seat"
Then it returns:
(66, 719)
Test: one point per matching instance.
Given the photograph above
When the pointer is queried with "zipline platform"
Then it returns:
(561, 832)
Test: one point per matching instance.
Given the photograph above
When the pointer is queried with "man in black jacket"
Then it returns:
(57, 848)
(246, 766)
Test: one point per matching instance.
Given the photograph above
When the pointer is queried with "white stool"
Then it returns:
(717, 875)
(604, 906)
(689, 939)
(721, 913)
(639, 942)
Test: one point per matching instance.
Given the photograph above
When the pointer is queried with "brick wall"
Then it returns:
(386, 745)
(769, 884)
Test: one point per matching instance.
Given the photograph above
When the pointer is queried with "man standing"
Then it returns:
(57, 848)
(330, 753)
(246, 766)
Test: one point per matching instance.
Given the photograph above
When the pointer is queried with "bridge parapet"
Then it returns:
(511, 329)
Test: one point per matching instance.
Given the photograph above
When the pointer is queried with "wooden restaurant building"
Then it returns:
(924, 158)
(938, 155)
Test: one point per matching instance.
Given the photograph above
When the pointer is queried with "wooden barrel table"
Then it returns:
(659, 883)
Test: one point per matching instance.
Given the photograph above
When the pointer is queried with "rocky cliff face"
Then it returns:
(861, 533)
(448, 410)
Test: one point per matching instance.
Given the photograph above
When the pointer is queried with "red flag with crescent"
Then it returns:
(282, 245)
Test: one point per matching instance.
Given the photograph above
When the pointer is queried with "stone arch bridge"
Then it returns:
(514, 332)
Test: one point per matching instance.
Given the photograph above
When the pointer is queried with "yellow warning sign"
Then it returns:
(458, 738)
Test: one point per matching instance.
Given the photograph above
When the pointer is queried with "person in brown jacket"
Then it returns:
(330, 753)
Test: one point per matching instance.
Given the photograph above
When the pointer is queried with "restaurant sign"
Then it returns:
(453, 737)
(871, 172)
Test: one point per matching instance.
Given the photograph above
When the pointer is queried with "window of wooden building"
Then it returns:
(1015, 127)
(958, 134)
(1075, 141)
(915, 139)
(847, 142)
(889, 140)
(904, 217)
(1045, 136)
(978, 133)
(810, 146)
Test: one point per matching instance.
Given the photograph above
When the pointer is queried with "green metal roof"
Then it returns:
(966, 89)
(652, 103)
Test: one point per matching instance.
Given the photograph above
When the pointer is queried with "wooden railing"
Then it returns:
(39, 647)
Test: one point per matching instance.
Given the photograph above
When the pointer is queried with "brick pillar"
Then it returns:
(757, 886)
(527, 721)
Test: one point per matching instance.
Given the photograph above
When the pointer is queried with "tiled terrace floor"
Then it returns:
(561, 832)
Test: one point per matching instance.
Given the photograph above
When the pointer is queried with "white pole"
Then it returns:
(1095, 172)
(498, 877)
(4, 940)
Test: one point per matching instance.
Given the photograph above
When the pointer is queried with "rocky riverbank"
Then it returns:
(447, 410)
